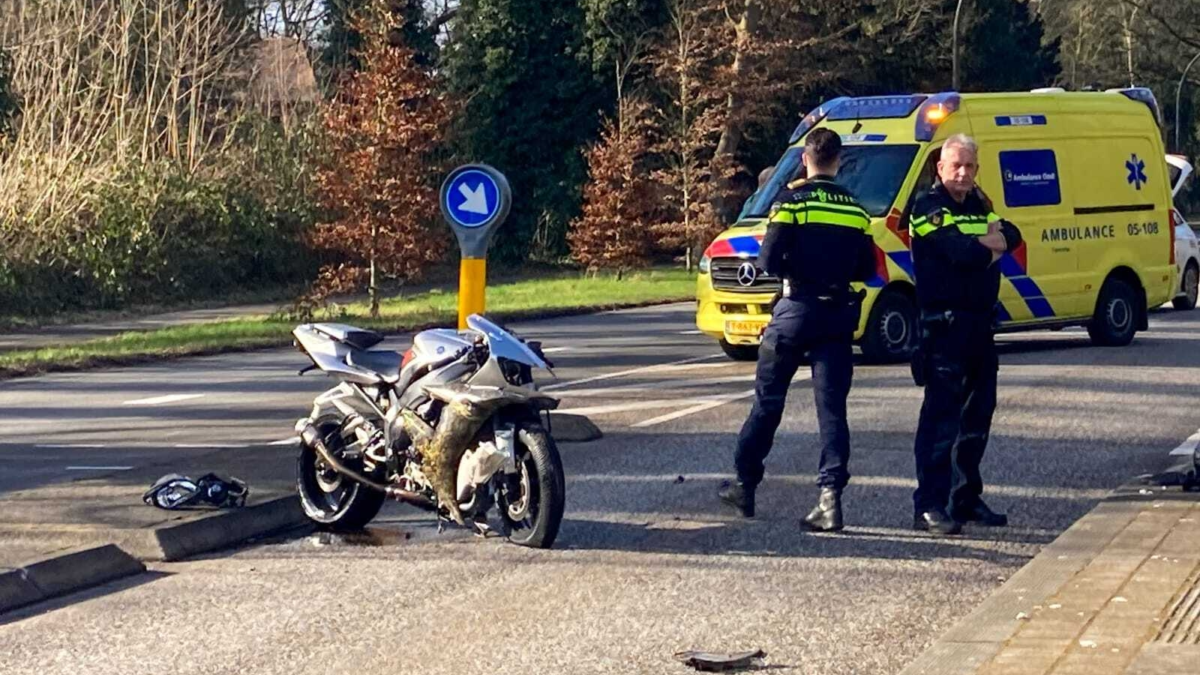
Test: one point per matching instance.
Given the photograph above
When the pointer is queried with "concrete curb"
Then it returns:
(63, 573)
(177, 540)
(82, 567)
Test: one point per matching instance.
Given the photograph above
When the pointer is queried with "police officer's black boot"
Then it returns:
(936, 521)
(826, 516)
(740, 496)
(980, 514)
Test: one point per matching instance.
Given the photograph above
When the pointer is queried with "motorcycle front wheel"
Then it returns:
(330, 499)
(532, 507)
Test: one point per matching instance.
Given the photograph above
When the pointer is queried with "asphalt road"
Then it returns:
(647, 564)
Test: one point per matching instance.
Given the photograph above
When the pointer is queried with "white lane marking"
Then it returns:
(715, 403)
(635, 371)
(159, 400)
(1189, 446)
(210, 445)
(1013, 491)
(294, 440)
(663, 384)
(70, 446)
(627, 407)
(554, 350)
(99, 468)
(698, 408)
(691, 332)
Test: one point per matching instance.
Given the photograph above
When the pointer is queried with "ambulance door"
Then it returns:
(1026, 181)
(1121, 210)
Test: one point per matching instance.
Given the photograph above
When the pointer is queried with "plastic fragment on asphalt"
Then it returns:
(720, 662)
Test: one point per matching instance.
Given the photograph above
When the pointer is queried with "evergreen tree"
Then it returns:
(343, 42)
(531, 104)
(1003, 49)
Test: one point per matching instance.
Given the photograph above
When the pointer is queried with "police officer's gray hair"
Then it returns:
(962, 141)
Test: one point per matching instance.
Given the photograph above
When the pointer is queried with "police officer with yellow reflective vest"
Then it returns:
(956, 243)
(817, 242)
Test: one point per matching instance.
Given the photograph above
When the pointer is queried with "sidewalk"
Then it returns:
(58, 336)
(1116, 594)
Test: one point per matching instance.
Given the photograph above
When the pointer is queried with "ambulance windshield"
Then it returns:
(872, 173)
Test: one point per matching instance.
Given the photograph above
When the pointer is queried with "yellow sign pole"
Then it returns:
(472, 289)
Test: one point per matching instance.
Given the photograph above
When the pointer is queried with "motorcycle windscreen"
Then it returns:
(504, 344)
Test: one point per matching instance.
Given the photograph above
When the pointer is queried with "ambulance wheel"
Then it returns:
(1191, 288)
(891, 331)
(1116, 317)
(740, 352)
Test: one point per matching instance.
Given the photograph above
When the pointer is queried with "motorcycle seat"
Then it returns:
(386, 363)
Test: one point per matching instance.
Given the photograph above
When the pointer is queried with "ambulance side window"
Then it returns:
(925, 179)
(928, 173)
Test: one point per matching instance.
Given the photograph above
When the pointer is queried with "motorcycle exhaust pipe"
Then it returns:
(312, 438)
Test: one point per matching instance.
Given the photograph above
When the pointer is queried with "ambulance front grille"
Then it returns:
(726, 273)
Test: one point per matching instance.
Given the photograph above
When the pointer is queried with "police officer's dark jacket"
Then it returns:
(953, 270)
(818, 240)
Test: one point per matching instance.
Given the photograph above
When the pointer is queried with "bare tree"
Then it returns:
(104, 83)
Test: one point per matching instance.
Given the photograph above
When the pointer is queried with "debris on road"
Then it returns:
(721, 662)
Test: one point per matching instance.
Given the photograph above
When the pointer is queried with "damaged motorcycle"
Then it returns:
(454, 425)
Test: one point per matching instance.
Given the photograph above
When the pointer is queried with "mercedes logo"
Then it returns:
(747, 274)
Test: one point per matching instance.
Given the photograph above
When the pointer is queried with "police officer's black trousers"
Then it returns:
(956, 418)
(799, 327)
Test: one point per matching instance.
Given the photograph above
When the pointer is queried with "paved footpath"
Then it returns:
(1116, 594)
(57, 336)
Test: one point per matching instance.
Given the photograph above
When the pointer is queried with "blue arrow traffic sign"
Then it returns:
(475, 200)
(472, 198)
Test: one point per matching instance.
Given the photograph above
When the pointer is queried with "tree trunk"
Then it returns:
(746, 29)
(374, 288)
(1127, 20)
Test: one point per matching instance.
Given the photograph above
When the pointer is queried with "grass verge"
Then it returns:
(527, 299)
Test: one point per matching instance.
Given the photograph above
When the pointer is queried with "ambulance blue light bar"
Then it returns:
(934, 111)
(877, 107)
(1142, 95)
(814, 118)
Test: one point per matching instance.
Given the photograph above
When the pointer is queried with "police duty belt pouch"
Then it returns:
(917, 366)
(174, 491)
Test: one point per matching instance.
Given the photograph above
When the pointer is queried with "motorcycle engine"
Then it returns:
(476, 468)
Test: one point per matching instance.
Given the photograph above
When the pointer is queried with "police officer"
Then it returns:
(817, 243)
(956, 242)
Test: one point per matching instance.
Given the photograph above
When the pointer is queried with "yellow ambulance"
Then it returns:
(1083, 174)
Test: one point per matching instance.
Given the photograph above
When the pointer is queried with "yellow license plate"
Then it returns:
(750, 328)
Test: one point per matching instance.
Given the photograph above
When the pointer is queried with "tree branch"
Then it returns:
(443, 18)
(1164, 23)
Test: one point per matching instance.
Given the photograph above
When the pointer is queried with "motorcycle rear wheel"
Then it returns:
(533, 516)
(331, 500)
